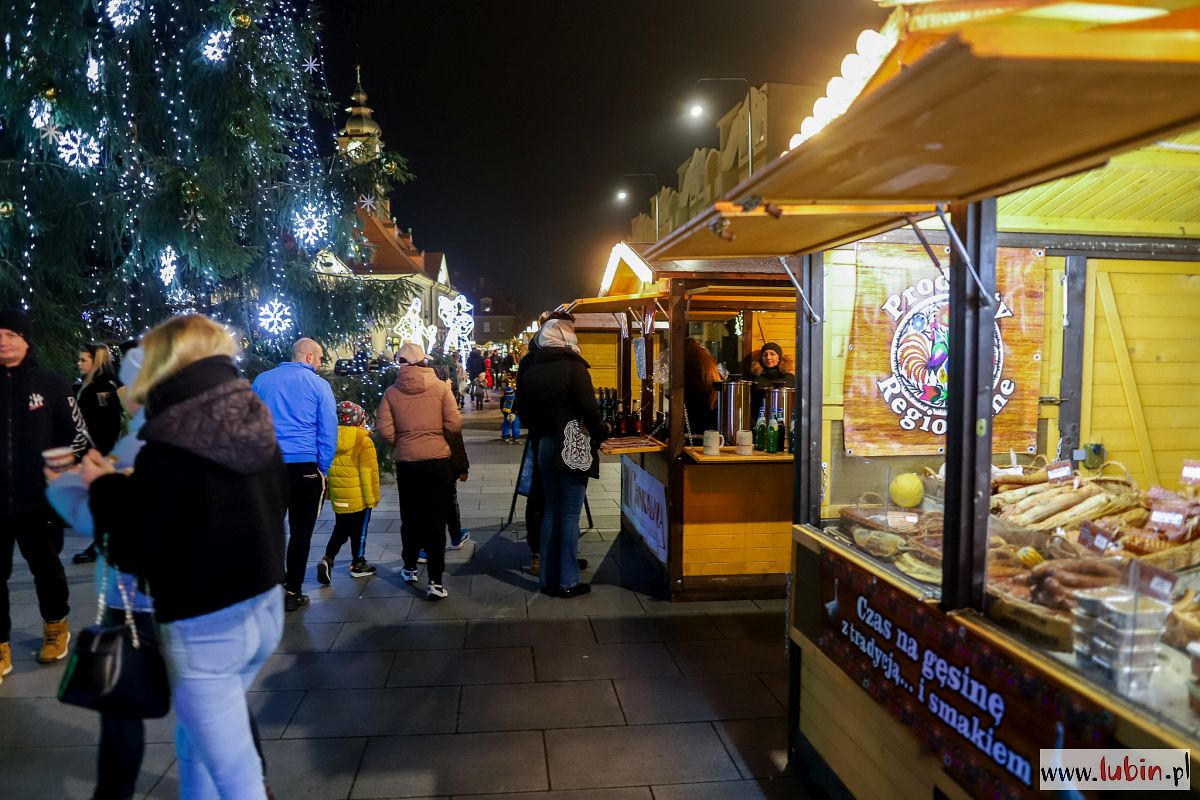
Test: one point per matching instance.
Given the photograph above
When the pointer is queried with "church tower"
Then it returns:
(361, 138)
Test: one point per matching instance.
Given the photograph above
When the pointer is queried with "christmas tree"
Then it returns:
(161, 156)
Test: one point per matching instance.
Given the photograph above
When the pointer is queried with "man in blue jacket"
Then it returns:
(302, 406)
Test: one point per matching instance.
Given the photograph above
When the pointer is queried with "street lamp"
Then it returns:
(622, 195)
(697, 110)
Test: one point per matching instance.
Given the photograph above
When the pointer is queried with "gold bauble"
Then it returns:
(241, 18)
(390, 167)
(239, 129)
(190, 191)
(50, 93)
(7, 209)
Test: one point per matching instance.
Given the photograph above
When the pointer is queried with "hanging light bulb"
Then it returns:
(823, 110)
(811, 127)
(856, 68)
(873, 45)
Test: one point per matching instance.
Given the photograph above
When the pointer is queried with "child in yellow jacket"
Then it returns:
(353, 490)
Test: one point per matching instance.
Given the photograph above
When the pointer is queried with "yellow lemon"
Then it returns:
(906, 490)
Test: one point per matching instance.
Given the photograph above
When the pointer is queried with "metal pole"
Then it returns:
(969, 413)
(749, 130)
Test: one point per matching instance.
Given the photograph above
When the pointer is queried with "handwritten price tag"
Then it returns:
(1144, 579)
(1167, 519)
(1191, 473)
(1060, 472)
(1094, 538)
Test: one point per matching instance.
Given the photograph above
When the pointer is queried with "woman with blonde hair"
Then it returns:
(97, 395)
(207, 488)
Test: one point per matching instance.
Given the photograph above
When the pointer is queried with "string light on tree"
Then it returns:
(93, 74)
(78, 149)
(275, 317)
(123, 13)
(311, 225)
(216, 46)
(167, 261)
(41, 113)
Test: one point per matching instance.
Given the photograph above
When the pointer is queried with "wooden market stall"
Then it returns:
(717, 526)
(892, 594)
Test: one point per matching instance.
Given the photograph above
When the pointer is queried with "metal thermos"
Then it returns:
(780, 398)
(733, 408)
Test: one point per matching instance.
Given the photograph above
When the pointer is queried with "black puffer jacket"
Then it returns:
(37, 412)
(101, 409)
(201, 517)
(557, 390)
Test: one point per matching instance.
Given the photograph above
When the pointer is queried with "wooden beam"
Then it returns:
(1074, 326)
(1110, 227)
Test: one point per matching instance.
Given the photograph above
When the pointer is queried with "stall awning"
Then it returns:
(994, 108)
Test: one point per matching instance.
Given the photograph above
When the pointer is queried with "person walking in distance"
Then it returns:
(37, 413)
(353, 492)
(303, 409)
(415, 416)
(207, 488)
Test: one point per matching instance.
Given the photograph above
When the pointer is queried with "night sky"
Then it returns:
(519, 118)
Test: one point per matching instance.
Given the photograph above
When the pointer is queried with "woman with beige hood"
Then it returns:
(415, 415)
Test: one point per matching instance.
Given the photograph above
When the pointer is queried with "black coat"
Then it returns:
(474, 364)
(201, 517)
(37, 412)
(555, 390)
(101, 409)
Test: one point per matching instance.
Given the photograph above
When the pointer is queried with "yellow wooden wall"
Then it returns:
(737, 519)
(1141, 388)
(779, 327)
(599, 349)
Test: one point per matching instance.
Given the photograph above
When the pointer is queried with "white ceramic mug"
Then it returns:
(745, 443)
(713, 442)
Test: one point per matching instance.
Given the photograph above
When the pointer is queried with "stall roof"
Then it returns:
(629, 272)
(992, 108)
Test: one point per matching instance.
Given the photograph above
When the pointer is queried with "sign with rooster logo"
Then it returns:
(898, 355)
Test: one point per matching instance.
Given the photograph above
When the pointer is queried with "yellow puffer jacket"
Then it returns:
(354, 476)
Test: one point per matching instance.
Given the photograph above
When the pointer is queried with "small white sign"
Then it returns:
(644, 505)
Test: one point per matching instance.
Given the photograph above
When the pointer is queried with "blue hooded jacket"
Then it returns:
(302, 407)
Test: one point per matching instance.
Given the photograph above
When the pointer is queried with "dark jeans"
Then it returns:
(122, 739)
(565, 493)
(453, 516)
(305, 496)
(535, 503)
(39, 536)
(352, 526)
(424, 489)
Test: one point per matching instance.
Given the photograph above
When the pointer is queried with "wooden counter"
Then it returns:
(730, 456)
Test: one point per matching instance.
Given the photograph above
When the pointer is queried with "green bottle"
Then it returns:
(760, 430)
(773, 434)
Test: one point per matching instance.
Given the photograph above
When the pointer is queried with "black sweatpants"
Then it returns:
(305, 495)
(352, 526)
(453, 516)
(39, 536)
(535, 502)
(424, 489)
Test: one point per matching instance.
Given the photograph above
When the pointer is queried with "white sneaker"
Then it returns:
(437, 591)
(409, 575)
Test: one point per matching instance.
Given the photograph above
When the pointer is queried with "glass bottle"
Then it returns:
(773, 434)
(635, 421)
(760, 430)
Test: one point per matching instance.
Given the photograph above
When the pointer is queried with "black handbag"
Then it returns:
(114, 670)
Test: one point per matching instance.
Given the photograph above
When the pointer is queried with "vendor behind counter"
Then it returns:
(769, 368)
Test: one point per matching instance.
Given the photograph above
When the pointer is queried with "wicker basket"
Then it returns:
(1174, 558)
(1034, 623)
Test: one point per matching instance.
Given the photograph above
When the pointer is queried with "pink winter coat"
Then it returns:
(416, 413)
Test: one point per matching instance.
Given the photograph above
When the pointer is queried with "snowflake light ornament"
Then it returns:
(275, 317)
(311, 66)
(78, 149)
(50, 134)
(41, 113)
(311, 225)
(123, 13)
(167, 262)
(368, 203)
(93, 74)
(216, 46)
(192, 219)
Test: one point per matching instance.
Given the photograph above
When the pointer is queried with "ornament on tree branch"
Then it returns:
(311, 66)
(239, 129)
(7, 210)
(50, 93)
(367, 203)
(167, 261)
(123, 13)
(390, 167)
(93, 74)
(241, 18)
(50, 134)
(192, 219)
(41, 113)
(275, 317)
(216, 46)
(189, 191)
(78, 149)
(311, 225)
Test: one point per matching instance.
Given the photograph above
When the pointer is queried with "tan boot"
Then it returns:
(5, 660)
(54, 641)
(535, 566)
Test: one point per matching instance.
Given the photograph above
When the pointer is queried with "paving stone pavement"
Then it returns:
(496, 692)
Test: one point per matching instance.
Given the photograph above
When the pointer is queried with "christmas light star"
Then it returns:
(274, 317)
(216, 46)
(367, 202)
(311, 225)
(191, 219)
(167, 260)
(50, 134)
(311, 66)
(78, 149)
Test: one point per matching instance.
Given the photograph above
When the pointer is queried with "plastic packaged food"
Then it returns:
(1083, 624)
(1091, 601)
(1121, 657)
(1144, 612)
(1125, 674)
(1193, 651)
(1126, 637)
